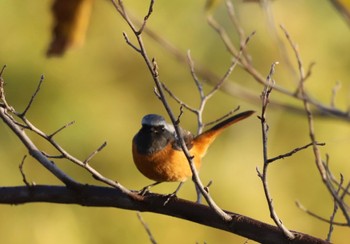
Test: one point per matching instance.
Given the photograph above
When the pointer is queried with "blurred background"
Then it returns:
(105, 87)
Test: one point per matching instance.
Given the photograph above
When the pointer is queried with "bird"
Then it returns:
(157, 152)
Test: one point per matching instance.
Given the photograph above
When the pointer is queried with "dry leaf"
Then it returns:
(71, 20)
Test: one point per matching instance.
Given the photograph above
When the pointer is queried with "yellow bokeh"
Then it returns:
(105, 87)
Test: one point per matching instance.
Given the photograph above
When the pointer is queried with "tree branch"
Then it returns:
(98, 196)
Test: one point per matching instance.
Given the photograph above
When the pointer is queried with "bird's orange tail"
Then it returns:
(203, 141)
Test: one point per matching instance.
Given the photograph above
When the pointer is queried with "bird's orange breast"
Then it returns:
(167, 164)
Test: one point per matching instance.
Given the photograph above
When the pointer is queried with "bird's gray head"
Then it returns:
(156, 120)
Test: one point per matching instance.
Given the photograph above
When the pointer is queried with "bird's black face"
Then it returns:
(151, 139)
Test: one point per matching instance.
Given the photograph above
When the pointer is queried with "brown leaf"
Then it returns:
(71, 19)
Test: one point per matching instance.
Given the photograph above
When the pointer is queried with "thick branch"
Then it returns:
(97, 196)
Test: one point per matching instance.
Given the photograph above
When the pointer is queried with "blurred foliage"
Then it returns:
(105, 87)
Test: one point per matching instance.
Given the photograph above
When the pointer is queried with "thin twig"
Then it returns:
(2, 70)
(178, 100)
(194, 75)
(145, 226)
(35, 152)
(24, 178)
(88, 159)
(335, 209)
(127, 40)
(153, 68)
(238, 27)
(282, 156)
(33, 97)
(224, 78)
(2, 90)
(2, 83)
(333, 178)
(303, 208)
(43, 158)
(237, 90)
(150, 10)
(223, 35)
(263, 175)
(60, 129)
(317, 155)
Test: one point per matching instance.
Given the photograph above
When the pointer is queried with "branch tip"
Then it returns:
(86, 161)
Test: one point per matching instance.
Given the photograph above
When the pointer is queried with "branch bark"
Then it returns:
(98, 196)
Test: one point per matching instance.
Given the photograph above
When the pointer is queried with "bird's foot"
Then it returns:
(169, 197)
(173, 195)
(146, 190)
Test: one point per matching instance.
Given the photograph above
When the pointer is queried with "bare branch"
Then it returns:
(33, 97)
(97, 196)
(263, 175)
(35, 152)
(318, 161)
(224, 78)
(2, 83)
(237, 90)
(153, 68)
(60, 129)
(335, 209)
(300, 206)
(181, 103)
(194, 75)
(86, 161)
(282, 156)
(127, 40)
(2, 90)
(24, 178)
(145, 226)
(150, 10)
(238, 27)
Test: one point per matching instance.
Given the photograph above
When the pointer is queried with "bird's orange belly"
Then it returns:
(165, 165)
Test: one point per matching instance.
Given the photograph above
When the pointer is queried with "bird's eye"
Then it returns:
(160, 129)
(157, 129)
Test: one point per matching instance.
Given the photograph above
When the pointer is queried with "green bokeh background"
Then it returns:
(105, 87)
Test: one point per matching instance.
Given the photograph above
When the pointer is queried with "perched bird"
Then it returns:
(157, 151)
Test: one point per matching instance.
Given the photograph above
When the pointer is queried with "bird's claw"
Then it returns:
(169, 197)
(144, 191)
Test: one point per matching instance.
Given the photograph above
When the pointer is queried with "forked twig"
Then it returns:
(154, 70)
(150, 10)
(335, 209)
(263, 175)
(322, 169)
(43, 158)
(320, 166)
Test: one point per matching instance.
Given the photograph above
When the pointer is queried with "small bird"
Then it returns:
(157, 152)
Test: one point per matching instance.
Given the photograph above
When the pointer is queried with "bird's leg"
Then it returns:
(144, 190)
(170, 196)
